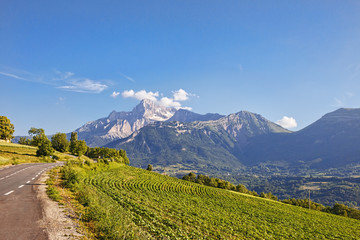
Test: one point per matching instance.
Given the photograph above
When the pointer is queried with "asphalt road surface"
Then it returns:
(20, 210)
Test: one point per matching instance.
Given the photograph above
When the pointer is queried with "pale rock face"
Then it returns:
(122, 124)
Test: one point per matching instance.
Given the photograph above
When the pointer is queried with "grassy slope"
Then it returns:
(134, 203)
(12, 153)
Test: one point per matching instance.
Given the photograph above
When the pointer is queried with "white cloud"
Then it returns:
(12, 75)
(287, 122)
(169, 102)
(128, 93)
(85, 86)
(181, 95)
(127, 77)
(140, 95)
(178, 95)
(187, 108)
(114, 94)
(62, 75)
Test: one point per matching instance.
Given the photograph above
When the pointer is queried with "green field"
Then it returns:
(123, 202)
(12, 153)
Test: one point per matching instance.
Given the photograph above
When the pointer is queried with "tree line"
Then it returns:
(60, 143)
(338, 209)
(217, 183)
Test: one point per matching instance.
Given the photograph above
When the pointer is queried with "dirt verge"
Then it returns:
(56, 220)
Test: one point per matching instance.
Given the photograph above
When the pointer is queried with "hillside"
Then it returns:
(126, 202)
(331, 142)
(12, 153)
(245, 139)
(207, 146)
(192, 147)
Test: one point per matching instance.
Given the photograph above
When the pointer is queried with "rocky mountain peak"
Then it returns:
(244, 124)
(183, 115)
(150, 110)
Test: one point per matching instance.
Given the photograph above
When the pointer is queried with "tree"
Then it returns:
(24, 141)
(45, 148)
(124, 156)
(149, 167)
(79, 147)
(60, 142)
(241, 188)
(190, 177)
(6, 129)
(38, 136)
(73, 140)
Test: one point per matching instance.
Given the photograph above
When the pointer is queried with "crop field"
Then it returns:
(133, 202)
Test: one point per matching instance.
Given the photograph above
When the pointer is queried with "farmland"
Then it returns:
(120, 201)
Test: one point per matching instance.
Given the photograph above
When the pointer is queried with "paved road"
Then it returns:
(20, 210)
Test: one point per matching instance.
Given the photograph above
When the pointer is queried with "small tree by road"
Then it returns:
(79, 148)
(60, 142)
(45, 148)
(6, 129)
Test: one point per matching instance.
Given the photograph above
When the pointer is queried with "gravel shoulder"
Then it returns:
(56, 220)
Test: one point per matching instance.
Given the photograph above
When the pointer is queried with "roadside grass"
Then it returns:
(67, 200)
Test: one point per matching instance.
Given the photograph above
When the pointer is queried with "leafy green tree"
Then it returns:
(6, 129)
(45, 148)
(241, 188)
(74, 137)
(60, 142)
(79, 148)
(190, 177)
(149, 167)
(73, 140)
(124, 156)
(38, 136)
(24, 141)
(108, 154)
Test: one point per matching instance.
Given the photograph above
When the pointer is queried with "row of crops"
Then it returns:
(126, 202)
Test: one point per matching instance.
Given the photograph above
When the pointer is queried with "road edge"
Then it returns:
(57, 223)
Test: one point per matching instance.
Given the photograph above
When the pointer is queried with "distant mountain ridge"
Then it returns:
(331, 141)
(120, 125)
(183, 115)
(212, 145)
(216, 143)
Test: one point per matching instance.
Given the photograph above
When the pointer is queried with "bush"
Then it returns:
(53, 193)
(70, 177)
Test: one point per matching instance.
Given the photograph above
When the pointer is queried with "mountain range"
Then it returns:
(210, 143)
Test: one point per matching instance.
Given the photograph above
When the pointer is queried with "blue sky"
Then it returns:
(60, 61)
